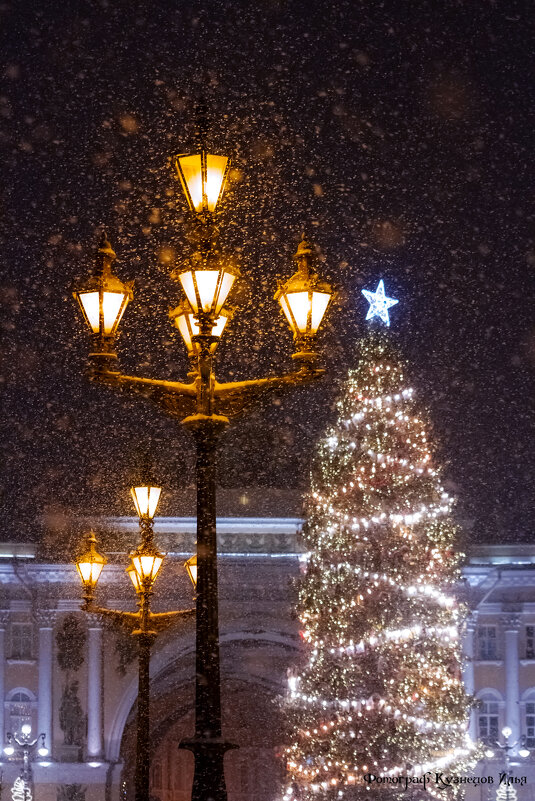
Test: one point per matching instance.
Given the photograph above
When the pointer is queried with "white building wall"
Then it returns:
(258, 559)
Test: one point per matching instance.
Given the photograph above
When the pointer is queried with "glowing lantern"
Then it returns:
(146, 561)
(104, 297)
(207, 280)
(203, 178)
(185, 321)
(90, 564)
(146, 500)
(304, 299)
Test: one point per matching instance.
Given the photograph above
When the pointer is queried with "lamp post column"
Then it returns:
(142, 777)
(3, 623)
(44, 703)
(207, 745)
(94, 692)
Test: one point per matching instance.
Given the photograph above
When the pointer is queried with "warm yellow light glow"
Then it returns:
(304, 310)
(104, 297)
(207, 290)
(304, 297)
(216, 170)
(146, 561)
(91, 307)
(146, 500)
(203, 179)
(90, 564)
(186, 323)
(191, 567)
(132, 573)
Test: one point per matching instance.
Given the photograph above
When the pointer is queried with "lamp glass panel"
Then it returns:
(299, 303)
(320, 301)
(191, 567)
(9, 750)
(91, 306)
(132, 572)
(192, 176)
(42, 751)
(184, 324)
(224, 289)
(286, 309)
(215, 174)
(186, 279)
(111, 310)
(220, 324)
(193, 571)
(207, 282)
(146, 500)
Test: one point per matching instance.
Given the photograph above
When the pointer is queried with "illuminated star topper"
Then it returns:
(379, 303)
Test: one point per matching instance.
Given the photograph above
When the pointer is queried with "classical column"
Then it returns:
(94, 693)
(3, 624)
(511, 625)
(468, 670)
(45, 619)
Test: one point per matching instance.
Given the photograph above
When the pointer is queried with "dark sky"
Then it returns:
(399, 135)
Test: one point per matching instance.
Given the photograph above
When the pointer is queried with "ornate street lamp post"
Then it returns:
(27, 746)
(506, 791)
(145, 564)
(204, 406)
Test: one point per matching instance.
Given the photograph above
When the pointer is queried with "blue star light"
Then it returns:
(379, 303)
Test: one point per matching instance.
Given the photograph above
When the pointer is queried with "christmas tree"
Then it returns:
(381, 692)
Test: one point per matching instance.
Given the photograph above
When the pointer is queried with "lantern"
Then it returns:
(146, 561)
(146, 500)
(104, 297)
(203, 176)
(206, 280)
(185, 321)
(304, 297)
(90, 564)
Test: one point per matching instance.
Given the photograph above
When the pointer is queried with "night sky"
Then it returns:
(398, 135)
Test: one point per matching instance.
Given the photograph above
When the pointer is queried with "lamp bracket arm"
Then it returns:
(304, 376)
(161, 620)
(150, 385)
(235, 397)
(176, 398)
(128, 620)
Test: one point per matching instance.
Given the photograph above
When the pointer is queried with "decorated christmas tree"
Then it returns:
(381, 691)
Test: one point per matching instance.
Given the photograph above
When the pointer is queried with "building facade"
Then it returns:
(74, 679)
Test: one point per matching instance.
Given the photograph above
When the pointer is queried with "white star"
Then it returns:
(379, 303)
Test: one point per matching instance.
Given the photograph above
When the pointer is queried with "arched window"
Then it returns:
(488, 718)
(20, 702)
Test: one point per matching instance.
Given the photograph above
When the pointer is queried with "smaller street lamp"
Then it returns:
(508, 793)
(203, 177)
(103, 300)
(145, 564)
(304, 299)
(27, 746)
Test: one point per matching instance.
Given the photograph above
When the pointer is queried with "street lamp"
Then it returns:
(27, 746)
(507, 792)
(145, 564)
(205, 407)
